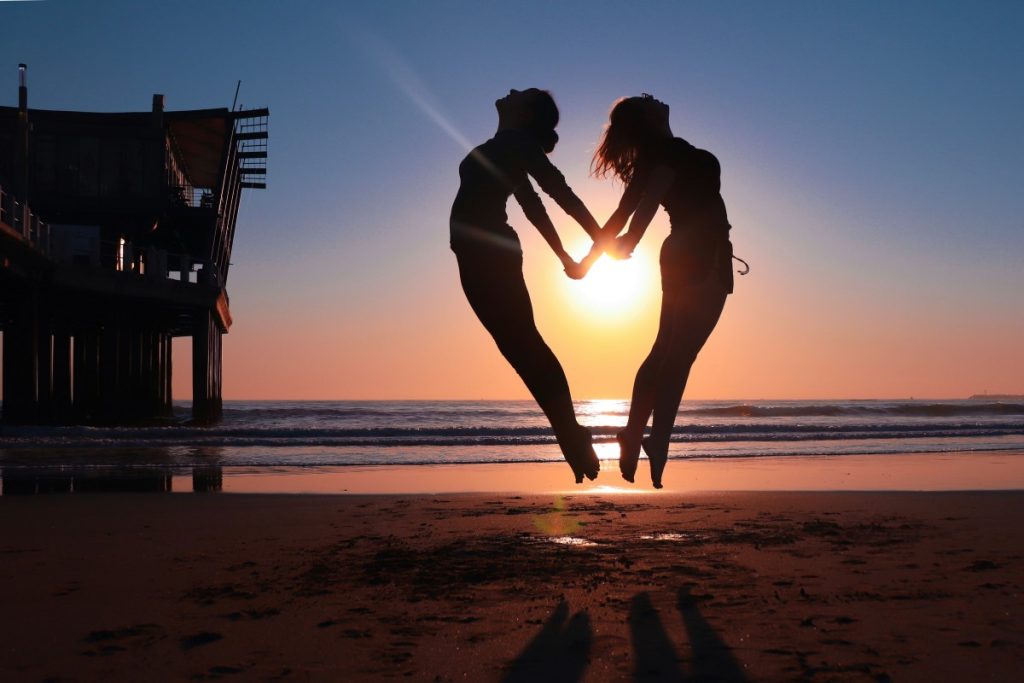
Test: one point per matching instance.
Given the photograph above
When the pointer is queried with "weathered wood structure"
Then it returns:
(116, 232)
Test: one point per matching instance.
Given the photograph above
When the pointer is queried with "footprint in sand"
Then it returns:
(199, 639)
(982, 566)
(112, 641)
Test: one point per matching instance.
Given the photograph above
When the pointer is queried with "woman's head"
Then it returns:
(532, 110)
(634, 125)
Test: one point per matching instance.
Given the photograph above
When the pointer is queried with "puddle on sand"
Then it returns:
(569, 540)
(670, 536)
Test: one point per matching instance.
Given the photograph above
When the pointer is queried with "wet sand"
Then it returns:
(956, 471)
(757, 586)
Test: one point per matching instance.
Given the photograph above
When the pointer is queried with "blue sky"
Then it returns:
(871, 159)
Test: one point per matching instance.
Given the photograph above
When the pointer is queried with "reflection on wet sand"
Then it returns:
(150, 470)
(20, 482)
(216, 469)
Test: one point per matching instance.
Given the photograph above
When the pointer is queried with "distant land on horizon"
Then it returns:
(1015, 397)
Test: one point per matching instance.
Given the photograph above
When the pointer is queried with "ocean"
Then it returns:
(298, 434)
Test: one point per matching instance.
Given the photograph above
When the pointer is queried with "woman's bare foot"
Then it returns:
(629, 454)
(579, 453)
(657, 459)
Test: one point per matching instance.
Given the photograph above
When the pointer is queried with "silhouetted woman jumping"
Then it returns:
(491, 259)
(660, 169)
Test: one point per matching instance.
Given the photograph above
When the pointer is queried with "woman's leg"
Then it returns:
(644, 387)
(694, 314)
(497, 292)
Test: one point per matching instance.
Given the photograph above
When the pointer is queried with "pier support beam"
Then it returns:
(86, 374)
(168, 375)
(65, 363)
(44, 371)
(21, 363)
(207, 405)
(61, 376)
(110, 371)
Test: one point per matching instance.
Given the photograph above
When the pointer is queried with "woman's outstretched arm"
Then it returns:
(631, 197)
(534, 211)
(553, 183)
(627, 205)
(654, 189)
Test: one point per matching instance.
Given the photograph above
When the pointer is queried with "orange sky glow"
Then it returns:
(821, 321)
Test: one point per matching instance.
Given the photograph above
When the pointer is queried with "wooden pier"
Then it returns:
(116, 232)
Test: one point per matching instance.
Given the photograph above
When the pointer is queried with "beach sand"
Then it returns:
(757, 586)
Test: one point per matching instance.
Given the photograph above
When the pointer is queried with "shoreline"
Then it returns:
(945, 471)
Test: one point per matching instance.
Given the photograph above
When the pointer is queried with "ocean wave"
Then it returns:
(860, 410)
(469, 410)
(353, 412)
(78, 437)
(264, 461)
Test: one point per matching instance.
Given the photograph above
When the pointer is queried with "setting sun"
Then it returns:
(614, 286)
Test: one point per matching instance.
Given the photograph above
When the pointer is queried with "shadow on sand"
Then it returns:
(655, 659)
(561, 651)
(712, 658)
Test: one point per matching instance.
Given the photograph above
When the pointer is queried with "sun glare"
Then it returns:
(612, 287)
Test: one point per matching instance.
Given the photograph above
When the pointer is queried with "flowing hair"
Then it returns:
(543, 120)
(627, 131)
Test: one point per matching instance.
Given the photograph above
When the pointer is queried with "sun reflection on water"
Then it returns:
(605, 411)
(607, 451)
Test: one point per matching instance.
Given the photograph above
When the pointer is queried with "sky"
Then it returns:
(871, 165)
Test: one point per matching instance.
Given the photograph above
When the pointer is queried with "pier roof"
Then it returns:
(199, 134)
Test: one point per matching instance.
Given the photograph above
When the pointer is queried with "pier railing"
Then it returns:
(192, 197)
(81, 246)
(19, 217)
(73, 245)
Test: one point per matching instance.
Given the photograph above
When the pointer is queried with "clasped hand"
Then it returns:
(618, 248)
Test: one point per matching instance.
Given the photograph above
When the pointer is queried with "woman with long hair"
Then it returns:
(491, 259)
(660, 169)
